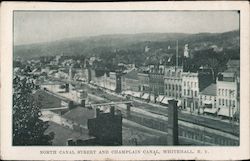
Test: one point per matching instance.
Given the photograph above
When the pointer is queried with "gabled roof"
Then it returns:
(210, 90)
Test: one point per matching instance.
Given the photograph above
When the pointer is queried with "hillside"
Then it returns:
(131, 45)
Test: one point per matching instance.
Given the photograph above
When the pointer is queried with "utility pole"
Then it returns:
(176, 63)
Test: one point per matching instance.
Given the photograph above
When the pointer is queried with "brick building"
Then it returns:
(130, 81)
(156, 81)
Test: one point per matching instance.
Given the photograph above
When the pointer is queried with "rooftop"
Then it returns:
(210, 90)
(80, 115)
(47, 100)
(132, 74)
(228, 74)
(62, 134)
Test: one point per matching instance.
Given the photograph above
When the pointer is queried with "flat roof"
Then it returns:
(80, 115)
(62, 134)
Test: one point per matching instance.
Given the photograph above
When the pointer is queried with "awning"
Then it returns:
(165, 100)
(145, 96)
(225, 112)
(128, 92)
(159, 98)
(136, 94)
(207, 102)
(111, 88)
(152, 97)
(179, 103)
(210, 110)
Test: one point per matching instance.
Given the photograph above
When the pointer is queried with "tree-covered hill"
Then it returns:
(131, 48)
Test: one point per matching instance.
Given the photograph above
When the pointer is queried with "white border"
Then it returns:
(33, 153)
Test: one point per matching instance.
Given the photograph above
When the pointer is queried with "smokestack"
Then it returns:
(66, 87)
(176, 64)
(128, 109)
(70, 142)
(97, 114)
(83, 103)
(172, 137)
(71, 105)
(112, 110)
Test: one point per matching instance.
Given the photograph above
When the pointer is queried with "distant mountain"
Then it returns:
(98, 45)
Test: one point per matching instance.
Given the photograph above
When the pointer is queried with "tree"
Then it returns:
(28, 129)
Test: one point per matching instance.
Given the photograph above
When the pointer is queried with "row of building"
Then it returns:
(197, 92)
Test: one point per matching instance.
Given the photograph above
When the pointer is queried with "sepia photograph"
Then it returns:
(133, 78)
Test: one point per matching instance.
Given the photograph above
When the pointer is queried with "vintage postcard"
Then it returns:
(125, 81)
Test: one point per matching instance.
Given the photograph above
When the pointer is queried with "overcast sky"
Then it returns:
(33, 27)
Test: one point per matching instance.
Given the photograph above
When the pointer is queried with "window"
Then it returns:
(179, 87)
(232, 93)
(222, 92)
(188, 84)
(173, 87)
(188, 92)
(169, 87)
(184, 92)
(195, 93)
(222, 102)
(226, 102)
(166, 86)
(191, 84)
(192, 93)
(233, 103)
(176, 87)
(219, 101)
(184, 83)
(226, 92)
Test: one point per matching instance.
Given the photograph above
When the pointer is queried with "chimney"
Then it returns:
(71, 105)
(66, 87)
(128, 109)
(83, 103)
(97, 114)
(172, 137)
(112, 110)
(70, 142)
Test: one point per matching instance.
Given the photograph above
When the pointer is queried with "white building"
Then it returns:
(173, 82)
(192, 84)
(190, 90)
(227, 94)
(208, 100)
